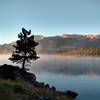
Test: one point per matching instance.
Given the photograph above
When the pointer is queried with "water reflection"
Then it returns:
(69, 65)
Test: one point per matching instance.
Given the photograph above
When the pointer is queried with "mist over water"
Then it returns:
(81, 74)
(67, 65)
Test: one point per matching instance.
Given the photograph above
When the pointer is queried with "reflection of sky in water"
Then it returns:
(88, 87)
(80, 74)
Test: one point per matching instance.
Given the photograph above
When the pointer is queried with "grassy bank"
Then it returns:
(20, 90)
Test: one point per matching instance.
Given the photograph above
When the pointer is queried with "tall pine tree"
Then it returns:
(24, 48)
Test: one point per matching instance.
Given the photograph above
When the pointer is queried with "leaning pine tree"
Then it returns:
(24, 49)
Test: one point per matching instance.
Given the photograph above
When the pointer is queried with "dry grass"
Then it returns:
(19, 90)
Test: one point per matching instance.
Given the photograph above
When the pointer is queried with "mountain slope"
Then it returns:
(60, 43)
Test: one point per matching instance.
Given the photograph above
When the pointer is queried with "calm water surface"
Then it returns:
(81, 74)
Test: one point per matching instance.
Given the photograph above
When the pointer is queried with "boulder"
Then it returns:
(72, 94)
(9, 71)
(13, 72)
(30, 77)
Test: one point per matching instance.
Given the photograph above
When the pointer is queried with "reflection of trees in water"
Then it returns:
(69, 66)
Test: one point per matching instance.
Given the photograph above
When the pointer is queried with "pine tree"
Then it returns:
(24, 49)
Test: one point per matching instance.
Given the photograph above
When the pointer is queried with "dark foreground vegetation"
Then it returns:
(18, 85)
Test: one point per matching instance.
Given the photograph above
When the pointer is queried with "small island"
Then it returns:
(18, 83)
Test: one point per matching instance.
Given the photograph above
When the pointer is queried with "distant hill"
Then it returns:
(61, 43)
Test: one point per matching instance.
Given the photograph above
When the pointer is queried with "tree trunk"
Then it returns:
(23, 64)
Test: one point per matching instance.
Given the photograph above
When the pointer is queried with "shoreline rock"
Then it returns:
(72, 94)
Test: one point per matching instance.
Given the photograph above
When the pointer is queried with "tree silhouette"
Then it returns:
(24, 49)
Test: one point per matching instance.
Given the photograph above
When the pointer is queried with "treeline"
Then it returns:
(83, 51)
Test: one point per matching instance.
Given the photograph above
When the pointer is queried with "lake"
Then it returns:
(81, 74)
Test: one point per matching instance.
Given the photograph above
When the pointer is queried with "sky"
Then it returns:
(48, 17)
